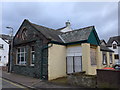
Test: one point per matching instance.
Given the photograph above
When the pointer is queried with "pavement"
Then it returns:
(30, 82)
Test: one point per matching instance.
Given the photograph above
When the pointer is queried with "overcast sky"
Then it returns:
(103, 15)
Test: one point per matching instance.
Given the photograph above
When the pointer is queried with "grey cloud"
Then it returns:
(53, 15)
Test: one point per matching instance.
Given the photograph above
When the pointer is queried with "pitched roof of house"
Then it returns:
(116, 38)
(57, 36)
(48, 32)
(64, 37)
(104, 48)
(102, 41)
(77, 35)
(6, 38)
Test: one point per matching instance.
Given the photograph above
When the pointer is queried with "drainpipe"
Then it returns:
(43, 48)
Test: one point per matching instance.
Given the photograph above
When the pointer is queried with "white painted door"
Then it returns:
(77, 64)
(69, 64)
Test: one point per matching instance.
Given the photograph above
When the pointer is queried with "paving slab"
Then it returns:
(32, 82)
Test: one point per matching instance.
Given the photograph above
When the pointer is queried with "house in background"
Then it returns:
(114, 44)
(4, 49)
(48, 54)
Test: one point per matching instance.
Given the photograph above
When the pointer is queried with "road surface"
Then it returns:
(6, 84)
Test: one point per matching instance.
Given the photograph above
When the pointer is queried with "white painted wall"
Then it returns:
(4, 53)
(66, 29)
(116, 51)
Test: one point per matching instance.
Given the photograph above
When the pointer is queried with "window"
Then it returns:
(111, 61)
(21, 56)
(104, 59)
(116, 56)
(0, 58)
(114, 46)
(74, 64)
(32, 55)
(1, 46)
(93, 56)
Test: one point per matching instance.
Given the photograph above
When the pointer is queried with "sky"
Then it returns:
(103, 15)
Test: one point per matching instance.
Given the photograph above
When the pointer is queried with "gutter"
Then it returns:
(43, 48)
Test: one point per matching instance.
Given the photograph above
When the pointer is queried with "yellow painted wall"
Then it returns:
(108, 60)
(56, 61)
(86, 57)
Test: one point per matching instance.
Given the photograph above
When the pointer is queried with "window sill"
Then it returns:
(76, 73)
(93, 65)
(32, 65)
(19, 65)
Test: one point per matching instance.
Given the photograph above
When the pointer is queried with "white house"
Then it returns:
(114, 44)
(4, 49)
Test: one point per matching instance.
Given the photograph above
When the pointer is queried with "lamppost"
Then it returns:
(11, 49)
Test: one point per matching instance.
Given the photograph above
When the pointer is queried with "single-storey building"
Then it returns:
(48, 54)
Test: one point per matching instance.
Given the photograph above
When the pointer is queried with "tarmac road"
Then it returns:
(6, 84)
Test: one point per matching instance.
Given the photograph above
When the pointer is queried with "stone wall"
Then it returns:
(34, 37)
(82, 80)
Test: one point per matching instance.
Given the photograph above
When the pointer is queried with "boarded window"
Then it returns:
(69, 64)
(74, 64)
(77, 64)
(93, 56)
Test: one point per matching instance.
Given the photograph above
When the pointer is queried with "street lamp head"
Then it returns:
(9, 27)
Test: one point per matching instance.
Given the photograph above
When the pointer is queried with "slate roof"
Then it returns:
(64, 37)
(102, 41)
(77, 35)
(48, 32)
(116, 38)
(61, 28)
(104, 48)
(6, 38)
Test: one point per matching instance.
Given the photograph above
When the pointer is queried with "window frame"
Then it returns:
(116, 55)
(104, 59)
(93, 60)
(111, 59)
(73, 64)
(1, 46)
(31, 58)
(114, 46)
(20, 53)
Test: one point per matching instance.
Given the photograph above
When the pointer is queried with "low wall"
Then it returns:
(3, 68)
(82, 80)
(108, 78)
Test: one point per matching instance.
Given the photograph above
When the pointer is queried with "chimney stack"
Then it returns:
(68, 24)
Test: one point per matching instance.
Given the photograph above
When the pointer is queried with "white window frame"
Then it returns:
(20, 53)
(111, 59)
(32, 64)
(1, 46)
(104, 59)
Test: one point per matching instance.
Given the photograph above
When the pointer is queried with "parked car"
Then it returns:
(117, 67)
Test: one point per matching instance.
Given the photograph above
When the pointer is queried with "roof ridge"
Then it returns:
(78, 29)
(42, 26)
